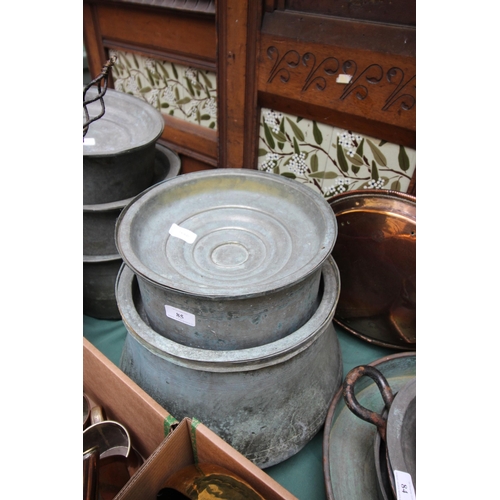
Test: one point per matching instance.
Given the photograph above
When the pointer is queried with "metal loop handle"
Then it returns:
(102, 79)
(360, 411)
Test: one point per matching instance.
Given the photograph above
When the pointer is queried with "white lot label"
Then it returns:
(404, 485)
(180, 315)
(88, 141)
(344, 78)
(182, 233)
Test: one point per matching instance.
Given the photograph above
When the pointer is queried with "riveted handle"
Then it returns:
(360, 411)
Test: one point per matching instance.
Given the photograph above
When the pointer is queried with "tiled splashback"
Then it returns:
(180, 91)
(330, 159)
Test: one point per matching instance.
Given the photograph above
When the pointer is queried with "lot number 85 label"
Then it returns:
(180, 315)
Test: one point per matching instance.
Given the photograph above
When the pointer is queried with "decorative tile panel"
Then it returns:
(329, 159)
(183, 92)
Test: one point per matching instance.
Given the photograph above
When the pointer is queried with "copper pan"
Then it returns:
(376, 255)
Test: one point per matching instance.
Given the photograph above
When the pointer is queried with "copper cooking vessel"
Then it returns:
(376, 256)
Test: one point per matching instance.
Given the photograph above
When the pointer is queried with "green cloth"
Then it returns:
(302, 474)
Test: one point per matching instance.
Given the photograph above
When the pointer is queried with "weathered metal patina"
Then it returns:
(349, 455)
(99, 277)
(267, 402)
(227, 258)
(99, 220)
(119, 148)
(396, 427)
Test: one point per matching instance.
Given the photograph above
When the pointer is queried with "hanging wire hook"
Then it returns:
(102, 85)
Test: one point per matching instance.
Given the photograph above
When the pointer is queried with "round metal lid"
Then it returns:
(128, 123)
(226, 233)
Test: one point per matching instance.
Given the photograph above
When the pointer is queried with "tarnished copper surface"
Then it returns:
(376, 255)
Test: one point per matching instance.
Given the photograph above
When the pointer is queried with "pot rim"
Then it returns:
(374, 193)
(125, 220)
(174, 162)
(233, 360)
(90, 259)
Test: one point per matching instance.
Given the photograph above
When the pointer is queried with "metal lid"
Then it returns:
(128, 123)
(253, 232)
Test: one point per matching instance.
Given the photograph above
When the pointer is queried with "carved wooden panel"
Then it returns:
(342, 72)
(381, 87)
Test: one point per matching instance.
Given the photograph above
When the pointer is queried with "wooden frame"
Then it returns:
(157, 30)
(279, 54)
(380, 100)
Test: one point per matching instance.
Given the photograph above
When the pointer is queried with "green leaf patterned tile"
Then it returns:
(318, 136)
(186, 93)
(330, 159)
(288, 146)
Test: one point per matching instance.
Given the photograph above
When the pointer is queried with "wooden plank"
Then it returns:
(197, 6)
(338, 32)
(189, 138)
(231, 81)
(176, 452)
(159, 30)
(123, 400)
(93, 41)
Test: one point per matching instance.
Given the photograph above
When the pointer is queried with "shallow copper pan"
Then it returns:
(376, 255)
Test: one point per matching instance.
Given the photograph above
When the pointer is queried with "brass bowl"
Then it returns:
(207, 481)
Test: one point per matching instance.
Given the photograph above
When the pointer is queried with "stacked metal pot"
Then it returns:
(228, 292)
(120, 159)
(369, 439)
